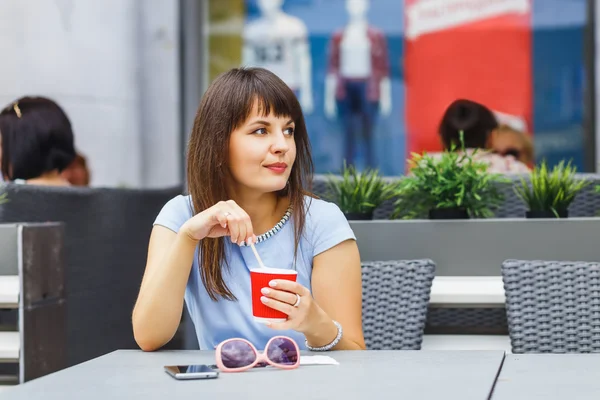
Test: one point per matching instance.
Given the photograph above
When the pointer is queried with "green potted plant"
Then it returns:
(358, 193)
(551, 191)
(453, 186)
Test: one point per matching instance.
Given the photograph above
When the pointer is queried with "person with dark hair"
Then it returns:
(475, 120)
(37, 142)
(477, 123)
(249, 169)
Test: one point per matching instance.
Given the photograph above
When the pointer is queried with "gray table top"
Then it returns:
(549, 377)
(395, 375)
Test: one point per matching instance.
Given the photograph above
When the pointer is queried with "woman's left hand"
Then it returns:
(282, 295)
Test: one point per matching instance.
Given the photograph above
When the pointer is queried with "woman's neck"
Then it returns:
(52, 178)
(264, 210)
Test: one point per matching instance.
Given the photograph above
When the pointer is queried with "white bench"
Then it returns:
(467, 291)
(10, 342)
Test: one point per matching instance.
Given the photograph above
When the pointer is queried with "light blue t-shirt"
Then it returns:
(216, 321)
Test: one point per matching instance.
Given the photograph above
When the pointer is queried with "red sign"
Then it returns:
(474, 49)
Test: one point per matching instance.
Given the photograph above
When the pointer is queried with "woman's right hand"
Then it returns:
(225, 218)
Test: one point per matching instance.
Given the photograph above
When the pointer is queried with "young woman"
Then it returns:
(37, 142)
(248, 165)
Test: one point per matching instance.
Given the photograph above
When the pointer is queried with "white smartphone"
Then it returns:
(199, 371)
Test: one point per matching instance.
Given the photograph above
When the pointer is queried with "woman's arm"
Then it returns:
(336, 295)
(158, 309)
(157, 312)
(337, 289)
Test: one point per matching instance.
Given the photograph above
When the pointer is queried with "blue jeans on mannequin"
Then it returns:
(356, 104)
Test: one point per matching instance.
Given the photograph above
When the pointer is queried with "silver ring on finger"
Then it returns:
(298, 298)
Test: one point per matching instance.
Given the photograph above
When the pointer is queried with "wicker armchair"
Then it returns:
(395, 299)
(552, 307)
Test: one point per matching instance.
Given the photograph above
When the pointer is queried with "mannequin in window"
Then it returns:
(279, 42)
(358, 83)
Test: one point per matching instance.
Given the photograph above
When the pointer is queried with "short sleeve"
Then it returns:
(175, 213)
(329, 226)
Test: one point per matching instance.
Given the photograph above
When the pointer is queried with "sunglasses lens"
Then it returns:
(237, 354)
(512, 152)
(282, 351)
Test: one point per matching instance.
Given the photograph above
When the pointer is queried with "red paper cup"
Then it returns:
(260, 278)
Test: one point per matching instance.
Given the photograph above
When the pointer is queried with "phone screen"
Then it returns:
(197, 371)
(189, 369)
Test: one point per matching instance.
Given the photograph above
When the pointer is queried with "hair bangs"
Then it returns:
(269, 95)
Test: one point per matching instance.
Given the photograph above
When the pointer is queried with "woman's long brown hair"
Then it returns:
(225, 106)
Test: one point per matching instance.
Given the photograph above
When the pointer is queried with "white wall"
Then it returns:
(112, 65)
(160, 92)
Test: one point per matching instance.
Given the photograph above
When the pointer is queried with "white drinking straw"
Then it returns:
(256, 255)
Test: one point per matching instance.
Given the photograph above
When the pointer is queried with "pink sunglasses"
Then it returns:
(236, 355)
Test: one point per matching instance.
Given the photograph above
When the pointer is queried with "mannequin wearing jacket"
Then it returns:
(358, 83)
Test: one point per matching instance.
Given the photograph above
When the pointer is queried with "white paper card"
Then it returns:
(318, 360)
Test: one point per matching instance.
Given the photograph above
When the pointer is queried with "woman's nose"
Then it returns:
(280, 143)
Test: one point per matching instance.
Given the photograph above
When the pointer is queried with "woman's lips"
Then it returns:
(276, 169)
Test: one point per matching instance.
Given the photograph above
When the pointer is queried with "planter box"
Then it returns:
(478, 247)
(586, 204)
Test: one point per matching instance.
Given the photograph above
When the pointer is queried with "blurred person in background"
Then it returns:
(507, 141)
(477, 122)
(77, 173)
(37, 142)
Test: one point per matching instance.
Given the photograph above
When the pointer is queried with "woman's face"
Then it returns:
(507, 143)
(262, 152)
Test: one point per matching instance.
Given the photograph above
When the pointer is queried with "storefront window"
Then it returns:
(375, 76)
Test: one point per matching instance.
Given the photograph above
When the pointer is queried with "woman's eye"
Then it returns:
(261, 131)
(289, 131)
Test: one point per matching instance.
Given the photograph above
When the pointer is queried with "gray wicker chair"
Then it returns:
(587, 202)
(552, 307)
(512, 206)
(395, 299)
(106, 245)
